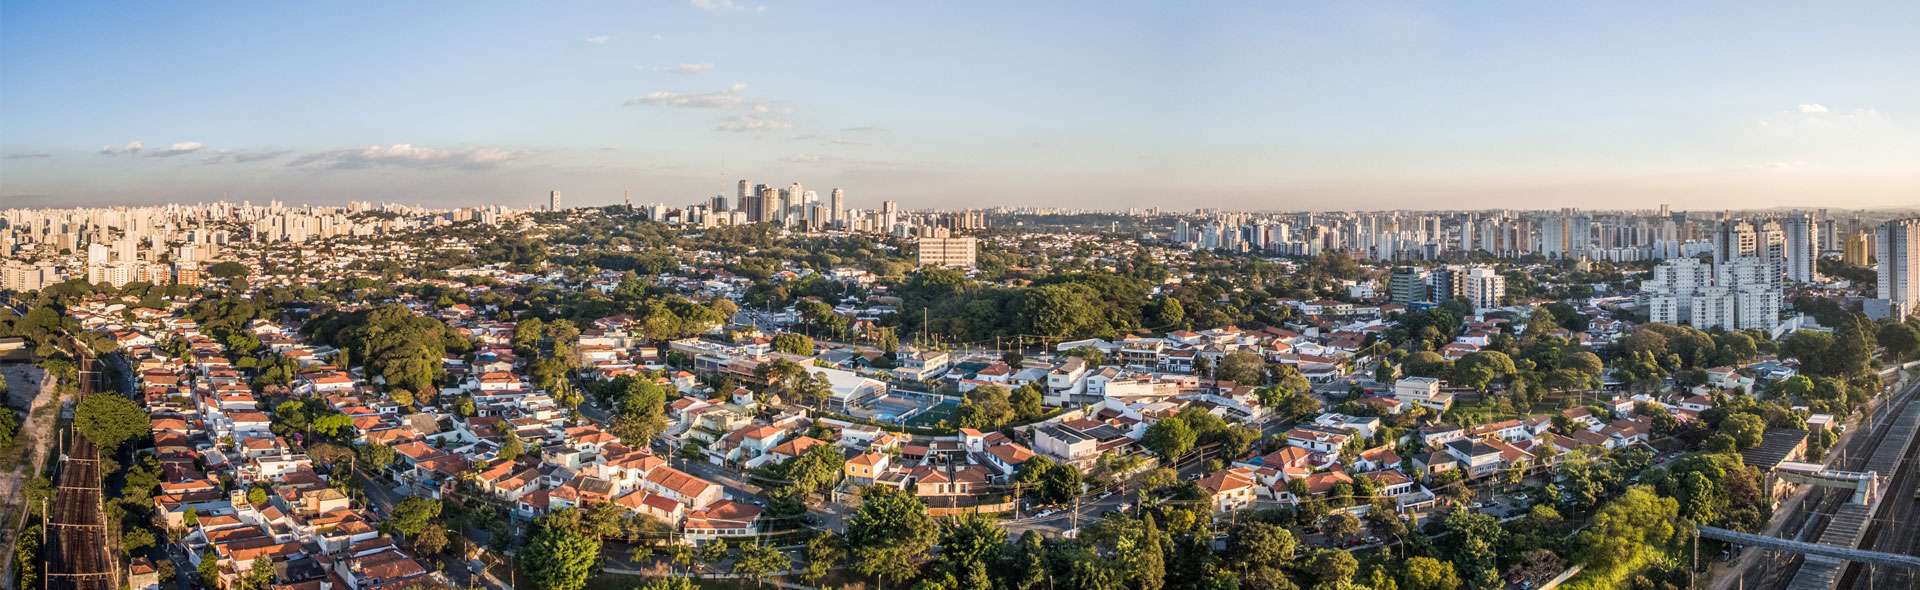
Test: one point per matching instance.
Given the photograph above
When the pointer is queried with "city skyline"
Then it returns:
(1128, 106)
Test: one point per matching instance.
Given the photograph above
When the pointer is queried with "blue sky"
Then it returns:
(1253, 105)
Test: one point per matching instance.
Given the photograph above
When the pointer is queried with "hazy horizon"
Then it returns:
(1105, 106)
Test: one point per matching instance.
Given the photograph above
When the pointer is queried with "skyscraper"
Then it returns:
(1802, 247)
(1897, 245)
(770, 206)
(839, 203)
(553, 201)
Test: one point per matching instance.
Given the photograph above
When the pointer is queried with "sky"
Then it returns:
(1115, 104)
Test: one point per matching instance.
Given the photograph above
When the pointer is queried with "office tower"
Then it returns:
(746, 190)
(838, 202)
(626, 197)
(553, 201)
(1801, 246)
(947, 251)
(1408, 285)
(719, 204)
(1897, 245)
(1484, 287)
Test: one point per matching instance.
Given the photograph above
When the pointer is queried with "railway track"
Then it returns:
(77, 554)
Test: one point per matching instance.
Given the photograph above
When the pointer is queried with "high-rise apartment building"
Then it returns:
(553, 201)
(1858, 250)
(1801, 247)
(1897, 246)
(838, 202)
(1484, 287)
(1671, 288)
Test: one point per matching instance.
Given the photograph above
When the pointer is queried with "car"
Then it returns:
(1372, 539)
(1479, 505)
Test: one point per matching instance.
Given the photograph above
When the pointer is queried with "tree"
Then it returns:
(669, 584)
(1426, 573)
(1256, 543)
(1028, 401)
(713, 552)
(413, 514)
(1333, 568)
(1170, 313)
(260, 576)
(824, 552)
(376, 457)
(1340, 524)
(559, 556)
(987, 407)
(132, 541)
(1624, 533)
(1746, 429)
(640, 408)
(1048, 480)
(1900, 339)
(1426, 363)
(1476, 538)
(209, 570)
(110, 421)
(890, 534)
(1169, 437)
(431, 540)
(1495, 364)
(760, 560)
(510, 446)
(1243, 367)
(792, 343)
(968, 544)
(228, 270)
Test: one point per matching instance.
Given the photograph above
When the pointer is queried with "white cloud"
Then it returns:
(242, 156)
(1813, 108)
(599, 39)
(754, 121)
(691, 68)
(405, 156)
(716, 5)
(719, 99)
(132, 147)
(178, 149)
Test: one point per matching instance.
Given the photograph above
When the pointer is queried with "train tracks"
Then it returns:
(77, 552)
(76, 528)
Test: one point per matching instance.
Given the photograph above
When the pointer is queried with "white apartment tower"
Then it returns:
(1802, 247)
(1897, 244)
(1484, 287)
